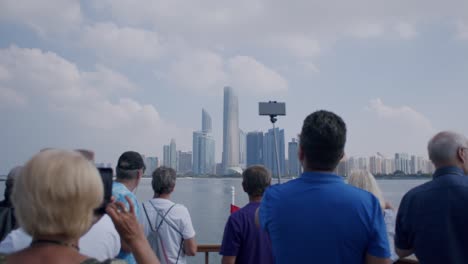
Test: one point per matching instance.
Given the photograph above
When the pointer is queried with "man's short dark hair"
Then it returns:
(128, 165)
(322, 140)
(255, 179)
(164, 180)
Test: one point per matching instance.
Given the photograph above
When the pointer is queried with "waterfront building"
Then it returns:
(293, 158)
(203, 147)
(375, 165)
(203, 153)
(151, 163)
(402, 163)
(206, 122)
(242, 149)
(166, 156)
(269, 153)
(254, 148)
(173, 155)
(185, 162)
(230, 155)
(388, 166)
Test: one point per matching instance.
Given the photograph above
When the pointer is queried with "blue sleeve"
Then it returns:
(264, 211)
(402, 231)
(378, 244)
(231, 238)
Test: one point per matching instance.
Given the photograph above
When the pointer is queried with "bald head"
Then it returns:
(448, 149)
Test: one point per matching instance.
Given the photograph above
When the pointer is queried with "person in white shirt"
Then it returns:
(101, 242)
(167, 225)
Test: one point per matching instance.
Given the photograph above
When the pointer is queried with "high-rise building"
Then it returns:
(294, 164)
(206, 122)
(203, 153)
(402, 163)
(185, 162)
(203, 148)
(230, 157)
(414, 165)
(269, 153)
(375, 165)
(388, 166)
(363, 163)
(173, 155)
(152, 163)
(167, 156)
(254, 148)
(242, 149)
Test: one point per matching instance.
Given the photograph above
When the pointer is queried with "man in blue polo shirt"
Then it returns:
(318, 218)
(432, 220)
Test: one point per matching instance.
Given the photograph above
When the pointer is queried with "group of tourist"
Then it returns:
(59, 208)
(319, 218)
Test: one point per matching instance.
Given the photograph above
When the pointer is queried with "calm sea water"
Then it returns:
(208, 202)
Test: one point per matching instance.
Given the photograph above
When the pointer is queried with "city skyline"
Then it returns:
(118, 75)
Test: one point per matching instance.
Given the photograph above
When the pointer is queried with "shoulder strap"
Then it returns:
(147, 217)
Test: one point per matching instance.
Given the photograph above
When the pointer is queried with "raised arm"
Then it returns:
(130, 231)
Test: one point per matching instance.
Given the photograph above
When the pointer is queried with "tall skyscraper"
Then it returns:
(203, 148)
(294, 164)
(185, 161)
(269, 153)
(254, 148)
(230, 157)
(173, 154)
(167, 156)
(206, 122)
(242, 149)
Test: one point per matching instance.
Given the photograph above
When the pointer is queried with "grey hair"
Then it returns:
(164, 180)
(443, 147)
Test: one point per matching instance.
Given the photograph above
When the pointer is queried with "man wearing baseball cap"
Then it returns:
(129, 170)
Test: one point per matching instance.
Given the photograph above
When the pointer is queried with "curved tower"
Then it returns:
(230, 157)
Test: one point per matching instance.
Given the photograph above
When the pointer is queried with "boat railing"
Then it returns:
(207, 249)
(213, 248)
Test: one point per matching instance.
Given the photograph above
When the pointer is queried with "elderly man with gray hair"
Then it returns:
(168, 225)
(432, 220)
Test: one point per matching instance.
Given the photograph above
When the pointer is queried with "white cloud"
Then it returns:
(200, 71)
(310, 67)
(403, 114)
(44, 81)
(248, 74)
(389, 129)
(207, 71)
(11, 98)
(366, 30)
(300, 46)
(111, 42)
(405, 30)
(45, 17)
(462, 29)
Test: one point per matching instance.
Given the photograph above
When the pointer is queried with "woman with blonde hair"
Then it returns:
(55, 196)
(363, 179)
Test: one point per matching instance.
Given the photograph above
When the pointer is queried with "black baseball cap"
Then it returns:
(131, 160)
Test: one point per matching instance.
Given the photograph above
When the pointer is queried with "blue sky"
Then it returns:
(114, 75)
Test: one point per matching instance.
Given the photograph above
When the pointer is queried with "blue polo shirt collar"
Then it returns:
(448, 170)
(322, 177)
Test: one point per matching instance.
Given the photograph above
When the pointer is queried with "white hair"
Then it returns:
(365, 180)
(443, 147)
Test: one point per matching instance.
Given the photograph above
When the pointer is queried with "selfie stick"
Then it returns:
(273, 120)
